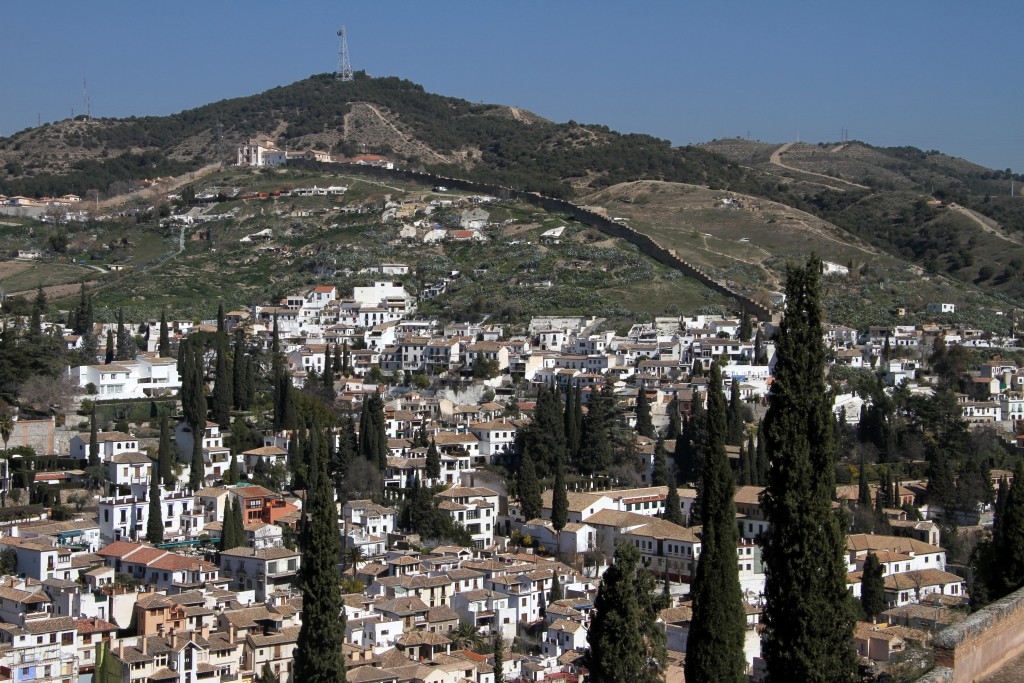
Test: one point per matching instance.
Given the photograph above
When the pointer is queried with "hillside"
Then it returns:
(748, 242)
(945, 215)
(333, 240)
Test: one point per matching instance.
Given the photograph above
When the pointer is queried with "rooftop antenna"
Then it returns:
(344, 72)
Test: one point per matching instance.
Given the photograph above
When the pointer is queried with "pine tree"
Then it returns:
(155, 523)
(808, 619)
(94, 444)
(625, 642)
(559, 499)
(433, 465)
(644, 425)
(872, 588)
(714, 648)
(735, 420)
(164, 345)
(165, 453)
(318, 652)
(673, 507)
(659, 468)
(223, 389)
(528, 488)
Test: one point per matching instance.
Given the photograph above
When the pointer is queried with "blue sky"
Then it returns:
(936, 75)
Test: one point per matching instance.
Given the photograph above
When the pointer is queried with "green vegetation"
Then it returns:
(625, 642)
(808, 618)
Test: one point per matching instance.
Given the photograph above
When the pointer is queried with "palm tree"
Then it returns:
(353, 556)
(6, 427)
(466, 636)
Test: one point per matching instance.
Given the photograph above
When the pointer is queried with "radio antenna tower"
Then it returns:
(85, 98)
(344, 72)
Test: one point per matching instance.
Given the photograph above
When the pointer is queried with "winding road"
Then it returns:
(776, 160)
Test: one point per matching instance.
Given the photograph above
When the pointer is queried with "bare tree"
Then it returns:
(50, 393)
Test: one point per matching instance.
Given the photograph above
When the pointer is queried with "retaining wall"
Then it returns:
(981, 644)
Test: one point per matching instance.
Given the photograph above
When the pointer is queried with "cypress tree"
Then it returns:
(318, 652)
(714, 647)
(498, 648)
(336, 366)
(752, 460)
(1011, 535)
(228, 538)
(688, 458)
(109, 355)
(223, 389)
(250, 383)
(433, 465)
(528, 488)
(808, 619)
(344, 454)
(328, 376)
(231, 477)
(625, 642)
(197, 469)
(346, 360)
(761, 458)
(126, 349)
(559, 499)
(746, 466)
(35, 327)
(759, 355)
(94, 444)
(165, 453)
(164, 345)
(735, 421)
(221, 326)
(596, 452)
(674, 426)
(746, 328)
(155, 523)
(863, 490)
(659, 468)
(872, 588)
(239, 363)
(673, 508)
(573, 428)
(644, 425)
(556, 590)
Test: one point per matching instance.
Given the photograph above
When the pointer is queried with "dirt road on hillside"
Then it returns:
(776, 160)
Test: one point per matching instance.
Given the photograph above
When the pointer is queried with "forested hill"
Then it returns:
(385, 115)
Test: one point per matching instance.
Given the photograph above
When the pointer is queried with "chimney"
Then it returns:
(144, 639)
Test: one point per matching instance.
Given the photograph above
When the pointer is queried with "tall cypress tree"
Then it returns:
(528, 488)
(223, 389)
(318, 652)
(659, 467)
(673, 508)
(164, 345)
(221, 326)
(644, 425)
(573, 427)
(239, 366)
(714, 647)
(165, 453)
(94, 444)
(687, 455)
(761, 457)
(674, 424)
(433, 465)
(559, 499)
(197, 468)
(872, 588)
(808, 619)
(498, 650)
(108, 357)
(735, 421)
(155, 523)
(746, 328)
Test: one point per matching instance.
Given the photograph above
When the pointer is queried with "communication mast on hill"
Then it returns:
(344, 72)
